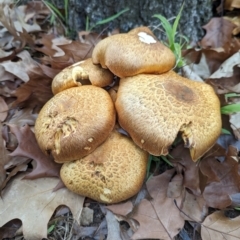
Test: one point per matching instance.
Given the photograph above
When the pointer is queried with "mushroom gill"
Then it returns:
(154, 108)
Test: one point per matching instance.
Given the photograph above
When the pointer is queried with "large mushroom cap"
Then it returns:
(128, 54)
(81, 73)
(112, 173)
(154, 108)
(74, 122)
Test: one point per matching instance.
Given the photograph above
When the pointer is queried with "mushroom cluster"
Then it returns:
(153, 104)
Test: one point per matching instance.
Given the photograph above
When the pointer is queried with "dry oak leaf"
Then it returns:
(36, 92)
(205, 62)
(227, 67)
(223, 179)
(182, 159)
(16, 27)
(34, 202)
(63, 52)
(21, 67)
(28, 147)
(159, 218)
(218, 226)
(231, 4)
(3, 109)
(22, 117)
(194, 208)
(219, 33)
(4, 158)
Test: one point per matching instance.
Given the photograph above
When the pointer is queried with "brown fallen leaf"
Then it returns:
(182, 159)
(226, 78)
(17, 28)
(113, 226)
(20, 167)
(34, 202)
(219, 33)
(121, 208)
(21, 67)
(49, 45)
(159, 218)
(34, 93)
(231, 4)
(235, 20)
(223, 179)
(22, 117)
(63, 52)
(28, 147)
(218, 226)
(205, 62)
(234, 121)
(3, 109)
(194, 208)
(9, 229)
(229, 84)
(4, 158)
(35, 10)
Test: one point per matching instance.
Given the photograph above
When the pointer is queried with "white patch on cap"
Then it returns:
(106, 191)
(144, 37)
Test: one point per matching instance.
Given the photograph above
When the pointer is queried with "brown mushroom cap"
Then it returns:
(114, 172)
(154, 108)
(128, 54)
(74, 122)
(81, 73)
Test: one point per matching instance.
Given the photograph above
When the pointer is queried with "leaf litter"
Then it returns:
(29, 179)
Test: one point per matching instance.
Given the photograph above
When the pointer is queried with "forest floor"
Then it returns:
(180, 199)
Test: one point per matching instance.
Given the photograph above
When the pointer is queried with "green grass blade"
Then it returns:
(109, 19)
(150, 158)
(166, 160)
(225, 131)
(182, 37)
(87, 24)
(176, 22)
(167, 27)
(52, 19)
(230, 95)
(51, 228)
(66, 9)
(232, 108)
(54, 10)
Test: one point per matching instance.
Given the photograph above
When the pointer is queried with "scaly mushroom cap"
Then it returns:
(114, 172)
(74, 122)
(81, 73)
(154, 108)
(128, 54)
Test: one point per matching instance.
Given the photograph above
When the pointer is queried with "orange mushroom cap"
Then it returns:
(81, 73)
(128, 54)
(114, 172)
(74, 122)
(154, 108)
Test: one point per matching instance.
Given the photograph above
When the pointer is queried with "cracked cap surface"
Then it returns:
(128, 54)
(114, 172)
(74, 122)
(154, 108)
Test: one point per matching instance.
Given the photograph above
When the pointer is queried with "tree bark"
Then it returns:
(195, 14)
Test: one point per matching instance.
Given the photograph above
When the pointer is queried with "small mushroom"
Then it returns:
(128, 54)
(74, 122)
(154, 108)
(114, 172)
(81, 73)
